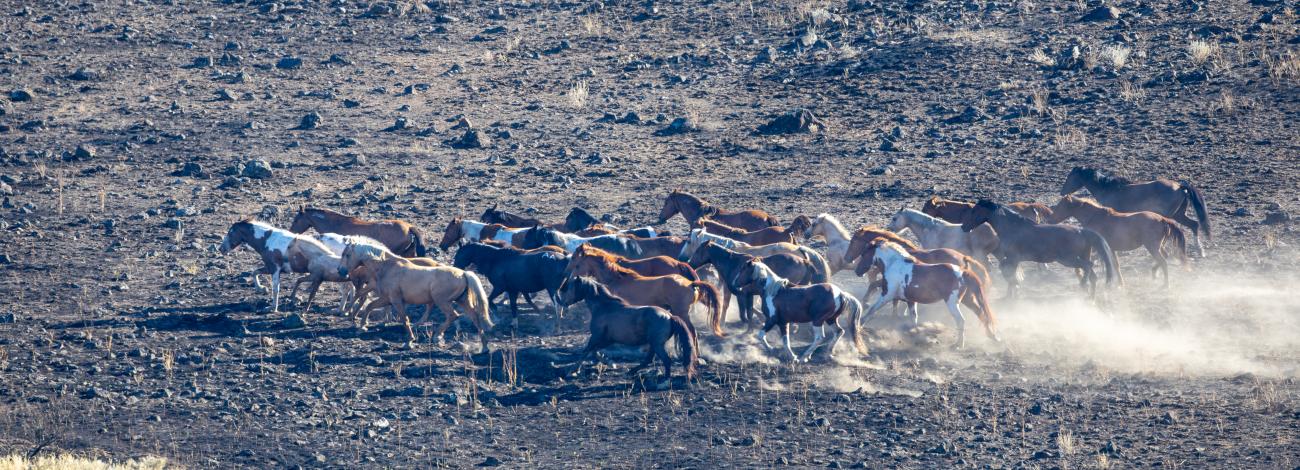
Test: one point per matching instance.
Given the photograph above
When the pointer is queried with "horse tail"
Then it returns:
(975, 288)
(1198, 204)
(685, 345)
(821, 270)
(711, 299)
(854, 316)
(417, 241)
(1107, 256)
(1179, 238)
(476, 299)
(980, 271)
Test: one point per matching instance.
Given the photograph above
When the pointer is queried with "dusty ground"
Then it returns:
(124, 332)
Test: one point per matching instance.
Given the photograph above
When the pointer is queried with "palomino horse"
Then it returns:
(1126, 231)
(699, 237)
(1165, 197)
(937, 233)
(797, 269)
(785, 303)
(614, 321)
(694, 208)
(461, 230)
(398, 281)
(399, 236)
(953, 210)
(652, 266)
(837, 240)
(282, 251)
(912, 281)
(672, 292)
(863, 238)
(766, 236)
(1023, 240)
(512, 272)
(496, 216)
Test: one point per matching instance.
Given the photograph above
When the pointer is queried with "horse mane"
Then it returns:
(591, 251)
(322, 209)
(1087, 201)
(619, 271)
(888, 235)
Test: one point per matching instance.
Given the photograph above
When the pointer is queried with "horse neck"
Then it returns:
(1087, 212)
(891, 255)
(830, 227)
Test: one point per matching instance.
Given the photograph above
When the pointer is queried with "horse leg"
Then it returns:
(448, 316)
(1180, 216)
(1162, 264)
(958, 318)
(400, 305)
(311, 296)
(362, 317)
(837, 333)
(529, 298)
(514, 309)
(1008, 268)
(819, 333)
(293, 291)
(785, 336)
(275, 290)
(657, 347)
(649, 358)
(912, 310)
(762, 332)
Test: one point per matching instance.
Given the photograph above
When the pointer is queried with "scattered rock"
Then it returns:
(256, 169)
(294, 321)
(310, 121)
(490, 462)
(799, 120)
(83, 75)
(472, 139)
(680, 125)
(1242, 212)
(21, 95)
(5, 189)
(398, 124)
(630, 118)
(84, 152)
(1276, 217)
(190, 169)
(1102, 13)
(969, 115)
(201, 62)
(289, 63)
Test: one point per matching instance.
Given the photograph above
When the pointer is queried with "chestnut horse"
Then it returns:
(785, 303)
(693, 208)
(912, 281)
(399, 236)
(672, 292)
(766, 236)
(1126, 231)
(953, 210)
(797, 269)
(867, 235)
(1162, 196)
(1023, 240)
(933, 232)
(398, 281)
(282, 251)
(615, 321)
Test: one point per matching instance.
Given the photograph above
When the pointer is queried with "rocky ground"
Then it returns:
(133, 133)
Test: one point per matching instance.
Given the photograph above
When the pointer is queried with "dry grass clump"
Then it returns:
(72, 462)
(1202, 51)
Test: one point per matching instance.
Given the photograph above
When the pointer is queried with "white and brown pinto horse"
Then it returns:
(914, 282)
(399, 236)
(785, 303)
(282, 251)
(934, 232)
(399, 281)
(460, 231)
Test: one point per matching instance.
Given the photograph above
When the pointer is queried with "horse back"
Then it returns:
(803, 304)
(933, 282)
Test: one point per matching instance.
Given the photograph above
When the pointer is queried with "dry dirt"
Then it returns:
(125, 333)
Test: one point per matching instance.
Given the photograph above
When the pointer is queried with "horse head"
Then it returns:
(238, 234)
(301, 221)
(981, 213)
(670, 208)
(452, 234)
(1076, 179)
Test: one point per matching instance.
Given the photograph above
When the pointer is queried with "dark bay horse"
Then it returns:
(766, 236)
(1023, 240)
(1162, 196)
(614, 321)
(513, 272)
(1126, 231)
(953, 210)
(579, 219)
(693, 208)
(496, 216)
(402, 238)
(797, 269)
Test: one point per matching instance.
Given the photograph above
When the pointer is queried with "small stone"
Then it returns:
(82, 75)
(21, 95)
(310, 121)
(679, 125)
(490, 461)
(796, 121)
(256, 169)
(293, 321)
(473, 139)
(289, 63)
(84, 152)
(1276, 217)
(201, 62)
(1102, 13)
(191, 169)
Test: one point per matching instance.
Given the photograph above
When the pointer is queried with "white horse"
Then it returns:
(336, 243)
(472, 231)
(837, 240)
(932, 232)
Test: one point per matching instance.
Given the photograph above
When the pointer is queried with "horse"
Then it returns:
(1162, 196)
(653, 266)
(462, 230)
(784, 303)
(797, 269)
(1126, 231)
(495, 216)
(282, 251)
(615, 321)
(512, 272)
(399, 236)
(1023, 240)
(699, 237)
(766, 236)
(913, 281)
(579, 219)
(672, 292)
(398, 281)
(693, 208)
(348, 287)
(937, 233)
(863, 237)
(953, 210)
(837, 240)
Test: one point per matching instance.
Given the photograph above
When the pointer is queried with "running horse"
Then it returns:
(837, 239)
(785, 303)
(765, 236)
(496, 216)
(912, 281)
(1024, 240)
(953, 210)
(865, 236)
(615, 321)
(799, 270)
(513, 272)
(934, 232)
(399, 236)
(282, 251)
(693, 209)
(672, 292)
(1162, 196)
(1126, 231)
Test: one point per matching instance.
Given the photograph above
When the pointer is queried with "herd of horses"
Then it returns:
(640, 284)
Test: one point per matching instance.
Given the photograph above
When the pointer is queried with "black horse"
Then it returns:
(1162, 196)
(496, 216)
(1020, 239)
(579, 219)
(614, 321)
(512, 271)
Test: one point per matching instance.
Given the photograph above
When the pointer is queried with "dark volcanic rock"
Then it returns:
(289, 63)
(1102, 13)
(310, 121)
(680, 125)
(799, 120)
(191, 169)
(472, 139)
(256, 169)
(21, 95)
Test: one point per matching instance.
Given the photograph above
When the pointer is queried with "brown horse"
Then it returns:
(953, 210)
(1165, 197)
(1126, 231)
(615, 321)
(496, 216)
(652, 266)
(398, 281)
(864, 236)
(797, 269)
(672, 292)
(399, 236)
(785, 303)
(1023, 240)
(912, 281)
(766, 236)
(693, 208)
